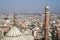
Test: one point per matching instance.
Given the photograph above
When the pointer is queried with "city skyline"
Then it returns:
(28, 6)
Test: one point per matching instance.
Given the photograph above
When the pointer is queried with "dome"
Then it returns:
(14, 34)
(28, 37)
(27, 32)
(47, 6)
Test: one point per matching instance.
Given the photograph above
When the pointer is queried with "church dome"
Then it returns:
(27, 32)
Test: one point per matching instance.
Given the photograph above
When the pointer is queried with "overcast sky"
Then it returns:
(28, 6)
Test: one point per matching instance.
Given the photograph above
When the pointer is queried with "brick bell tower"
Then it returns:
(47, 22)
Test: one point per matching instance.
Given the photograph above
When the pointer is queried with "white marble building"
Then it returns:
(15, 34)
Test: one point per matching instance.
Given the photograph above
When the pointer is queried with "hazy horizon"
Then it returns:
(28, 6)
